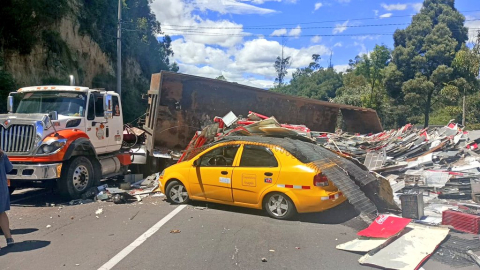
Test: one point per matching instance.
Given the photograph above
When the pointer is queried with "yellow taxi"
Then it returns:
(254, 172)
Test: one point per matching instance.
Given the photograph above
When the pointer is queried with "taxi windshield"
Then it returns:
(65, 103)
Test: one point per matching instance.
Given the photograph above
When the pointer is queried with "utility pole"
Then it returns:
(119, 49)
(463, 114)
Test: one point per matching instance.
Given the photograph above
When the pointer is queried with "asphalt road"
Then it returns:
(199, 236)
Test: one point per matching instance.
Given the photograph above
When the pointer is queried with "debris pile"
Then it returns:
(363, 189)
(395, 243)
(123, 193)
(443, 159)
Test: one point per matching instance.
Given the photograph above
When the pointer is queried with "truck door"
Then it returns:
(96, 123)
(114, 127)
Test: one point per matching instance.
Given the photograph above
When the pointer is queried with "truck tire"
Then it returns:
(11, 190)
(77, 177)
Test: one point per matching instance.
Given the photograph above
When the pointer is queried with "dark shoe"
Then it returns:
(10, 242)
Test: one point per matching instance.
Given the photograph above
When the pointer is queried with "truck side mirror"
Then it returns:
(107, 106)
(53, 115)
(10, 104)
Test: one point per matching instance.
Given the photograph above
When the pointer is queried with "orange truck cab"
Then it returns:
(69, 136)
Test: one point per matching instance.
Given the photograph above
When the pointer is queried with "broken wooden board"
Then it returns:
(362, 244)
(410, 250)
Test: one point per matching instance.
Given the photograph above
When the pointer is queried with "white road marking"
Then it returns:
(142, 238)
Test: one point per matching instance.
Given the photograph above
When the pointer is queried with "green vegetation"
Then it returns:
(26, 23)
(98, 19)
(21, 22)
(422, 80)
(7, 84)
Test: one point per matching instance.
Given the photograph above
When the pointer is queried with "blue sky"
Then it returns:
(240, 39)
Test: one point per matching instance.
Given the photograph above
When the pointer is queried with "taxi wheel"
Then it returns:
(177, 193)
(279, 206)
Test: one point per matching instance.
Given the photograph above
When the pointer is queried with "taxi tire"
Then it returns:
(291, 212)
(65, 183)
(171, 185)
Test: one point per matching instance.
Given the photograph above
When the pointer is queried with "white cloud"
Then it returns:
(203, 49)
(338, 44)
(279, 32)
(339, 28)
(473, 27)
(316, 39)
(341, 68)
(230, 7)
(417, 6)
(386, 15)
(394, 6)
(295, 32)
(365, 37)
(376, 12)
(363, 48)
(318, 5)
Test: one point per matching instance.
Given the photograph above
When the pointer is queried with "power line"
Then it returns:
(312, 27)
(330, 21)
(202, 33)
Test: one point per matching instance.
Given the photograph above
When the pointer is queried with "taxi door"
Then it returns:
(258, 169)
(211, 177)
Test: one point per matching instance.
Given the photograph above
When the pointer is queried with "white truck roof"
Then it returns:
(60, 88)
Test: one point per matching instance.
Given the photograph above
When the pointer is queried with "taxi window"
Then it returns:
(221, 156)
(257, 156)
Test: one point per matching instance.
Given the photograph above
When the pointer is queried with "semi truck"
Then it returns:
(71, 136)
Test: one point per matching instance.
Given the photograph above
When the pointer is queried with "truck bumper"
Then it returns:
(35, 171)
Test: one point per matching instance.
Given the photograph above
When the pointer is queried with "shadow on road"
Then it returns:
(24, 246)
(344, 214)
(21, 231)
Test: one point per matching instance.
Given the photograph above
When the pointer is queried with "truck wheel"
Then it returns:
(11, 190)
(279, 206)
(177, 193)
(77, 177)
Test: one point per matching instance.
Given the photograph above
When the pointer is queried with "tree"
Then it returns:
(423, 55)
(372, 68)
(313, 82)
(221, 78)
(281, 65)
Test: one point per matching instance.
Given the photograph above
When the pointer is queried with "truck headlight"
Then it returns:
(51, 146)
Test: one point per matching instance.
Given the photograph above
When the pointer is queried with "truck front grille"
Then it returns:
(17, 138)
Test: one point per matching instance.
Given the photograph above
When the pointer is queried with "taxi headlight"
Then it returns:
(51, 146)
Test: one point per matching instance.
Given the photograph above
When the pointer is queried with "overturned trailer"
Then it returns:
(180, 105)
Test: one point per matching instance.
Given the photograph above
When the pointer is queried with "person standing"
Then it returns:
(5, 167)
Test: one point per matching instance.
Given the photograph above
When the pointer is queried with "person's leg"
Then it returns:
(4, 224)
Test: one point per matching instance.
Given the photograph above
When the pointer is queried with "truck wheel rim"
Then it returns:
(278, 205)
(80, 178)
(178, 194)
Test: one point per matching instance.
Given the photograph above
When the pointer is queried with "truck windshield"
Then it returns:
(65, 103)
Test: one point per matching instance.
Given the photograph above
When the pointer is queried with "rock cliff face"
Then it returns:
(64, 51)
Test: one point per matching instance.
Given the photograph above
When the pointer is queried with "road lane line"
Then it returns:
(142, 238)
